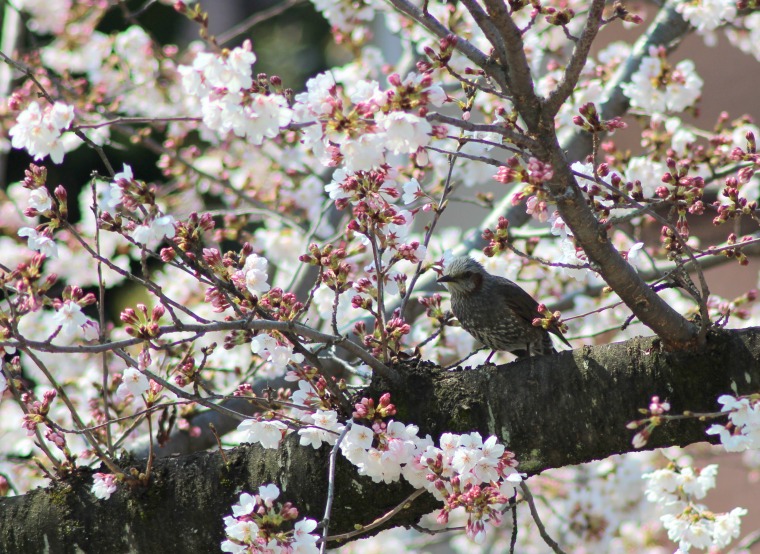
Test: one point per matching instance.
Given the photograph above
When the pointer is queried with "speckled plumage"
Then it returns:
(496, 311)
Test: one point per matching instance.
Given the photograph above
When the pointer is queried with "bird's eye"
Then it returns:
(466, 274)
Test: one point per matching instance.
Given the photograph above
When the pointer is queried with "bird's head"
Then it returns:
(463, 275)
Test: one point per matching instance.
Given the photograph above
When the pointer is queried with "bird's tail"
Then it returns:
(543, 348)
(547, 347)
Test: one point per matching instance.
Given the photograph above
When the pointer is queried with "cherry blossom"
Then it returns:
(38, 130)
(325, 429)
(303, 226)
(259, 524)
(222, 84)
(267, 433)
(103, 485)
(156, 230)
(255, 272)
(681, 89)
(133, 382)
(675, 489)
(39, 241)
(70, 318)
(40, 200)
(744, 414)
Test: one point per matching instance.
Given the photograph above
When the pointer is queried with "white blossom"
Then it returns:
(317, 99)
(113, 196)
(267, 433)
(412, 190)
(39, 131)
(255, 271)
(245, 505)
(221, 84)
(324, 428)
(134, 382)
(47, 16)
(70, 318)
(745, 417)
(404, 132)
(363, 153)
(156, 230)
(647, 91)
(39, 242)
(277, 355)
(675, 490)
(269, 493)
(103, 485)
(707, 15)
(40, 199)
(727, 527)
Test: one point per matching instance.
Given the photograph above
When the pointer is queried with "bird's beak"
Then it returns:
(445, 279)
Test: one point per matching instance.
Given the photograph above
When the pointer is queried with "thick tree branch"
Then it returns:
(571, 202)
(668, 29)
(643, 301)
(551, 411)
(518, 71)
(577, 61)
(489, 30)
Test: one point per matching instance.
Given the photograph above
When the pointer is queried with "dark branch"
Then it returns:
(564, 409)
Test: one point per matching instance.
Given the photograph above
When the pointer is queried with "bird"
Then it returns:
(496, 311)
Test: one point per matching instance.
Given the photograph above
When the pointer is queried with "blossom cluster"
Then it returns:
(469, 473)
(463, 471)
(348, 17)
(676, 490)
(258, 524)
(708, 15)
(143, 219)
(658, 88)
(229, 101)
(38, 130)
(742, 432)
(358, 127)
(277, 355)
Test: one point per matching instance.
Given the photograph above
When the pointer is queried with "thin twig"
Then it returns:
(102, 330)
(459, 362)
(447, 188)
(331, 486)
(240, 324)
(218, 442)
(379, 521)
(151, 455)
(105, 458)
(746, 543)
(513, 538)
(534, 513)
(513, 136)
(24, 408)
(250, 22)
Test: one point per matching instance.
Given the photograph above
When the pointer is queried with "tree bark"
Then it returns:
(550, 411)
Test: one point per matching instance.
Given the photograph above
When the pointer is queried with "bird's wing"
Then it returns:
(524, 305)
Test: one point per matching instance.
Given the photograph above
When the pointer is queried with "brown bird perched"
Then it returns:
(496, 311)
